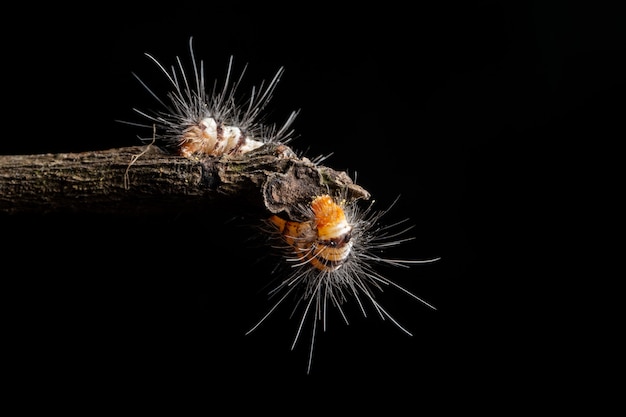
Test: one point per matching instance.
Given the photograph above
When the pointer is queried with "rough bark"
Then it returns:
(144, 179)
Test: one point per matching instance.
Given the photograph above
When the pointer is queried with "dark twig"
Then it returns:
(147, 180)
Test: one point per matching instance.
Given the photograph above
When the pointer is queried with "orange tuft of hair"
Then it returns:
(327, 212)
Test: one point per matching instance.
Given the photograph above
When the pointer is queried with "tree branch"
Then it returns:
(145, 179)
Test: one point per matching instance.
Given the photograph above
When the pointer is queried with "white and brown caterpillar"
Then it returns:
(195, 121)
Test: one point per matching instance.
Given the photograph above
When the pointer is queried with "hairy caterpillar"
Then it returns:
(195, 121)
(332, 254)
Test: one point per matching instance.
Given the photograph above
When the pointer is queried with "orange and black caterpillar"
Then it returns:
(323, 242)
(333, 255)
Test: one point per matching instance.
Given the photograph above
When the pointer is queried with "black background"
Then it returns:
(487, 118)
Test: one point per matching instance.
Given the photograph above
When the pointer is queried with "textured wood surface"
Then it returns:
(144, 179)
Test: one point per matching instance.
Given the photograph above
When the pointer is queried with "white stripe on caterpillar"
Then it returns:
(333, 254)
(193, 121)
